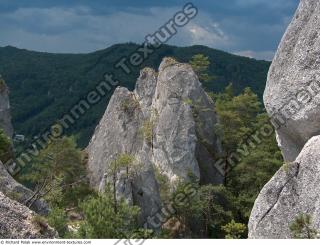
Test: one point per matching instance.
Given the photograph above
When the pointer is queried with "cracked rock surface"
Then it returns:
(292, 99)
(294, 190)
(292, 94)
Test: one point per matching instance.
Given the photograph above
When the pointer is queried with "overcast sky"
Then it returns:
(246, 27)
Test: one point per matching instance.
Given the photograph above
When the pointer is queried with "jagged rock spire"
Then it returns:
(167, 124)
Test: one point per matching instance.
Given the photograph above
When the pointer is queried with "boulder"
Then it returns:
(294, 190)
(292, 94)
(292, 99)
(167, 124)
(19, 222)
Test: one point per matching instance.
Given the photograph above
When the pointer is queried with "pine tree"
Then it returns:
(56, 171)
(200, 65)
(237, 119)
(122, 162)
(102, 221)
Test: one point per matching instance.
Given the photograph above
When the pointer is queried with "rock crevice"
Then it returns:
(292, 99)
(292, 94)
(294, 190)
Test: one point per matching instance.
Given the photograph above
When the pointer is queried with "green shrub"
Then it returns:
(40, 222)
(234, 230)
(5, 147)
(129, 106)
(164, 184)
(103, 222)
(57, 219)
(147, 131)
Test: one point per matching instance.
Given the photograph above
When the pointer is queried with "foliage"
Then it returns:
(241, 122)
(129, 105)
(164, 184)
(123, 161)
(147, 131)
(248, 176)
(200, 65)
(56, 172)
(238, 116)
(101, 220)
(62, 79)
(212, 211)
(302, 227)
(203, 214)
(143, 234)
(5, 147)
(58, 219)
(234, 230)
(40, 222)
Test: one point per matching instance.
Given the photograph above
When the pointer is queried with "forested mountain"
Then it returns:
(44, 86)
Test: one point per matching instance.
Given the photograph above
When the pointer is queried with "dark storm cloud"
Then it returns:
(247, 27)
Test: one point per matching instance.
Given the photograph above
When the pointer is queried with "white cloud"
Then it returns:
(79, 29)
(68, 29)
(210, 35)
(82, 29)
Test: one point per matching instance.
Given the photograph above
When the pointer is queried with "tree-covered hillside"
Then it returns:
(44, 86)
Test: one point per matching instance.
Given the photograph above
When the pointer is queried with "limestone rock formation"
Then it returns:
(5, 116)
(294, 190)
(292, 95)
(292, 99)
(184, 141)
(165, 123)
(11, 188)
(19, 222)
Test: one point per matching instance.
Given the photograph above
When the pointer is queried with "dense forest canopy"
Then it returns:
(44, 86)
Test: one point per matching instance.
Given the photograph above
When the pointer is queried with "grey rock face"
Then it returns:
(292, 98)
(18, 222)
(119, 133)
(5, 116)
(184, 121)
(11, 188)
(292, 95)
(165, 123)
(294, 190)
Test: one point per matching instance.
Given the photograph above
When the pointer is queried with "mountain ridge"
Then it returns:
(44, 85)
